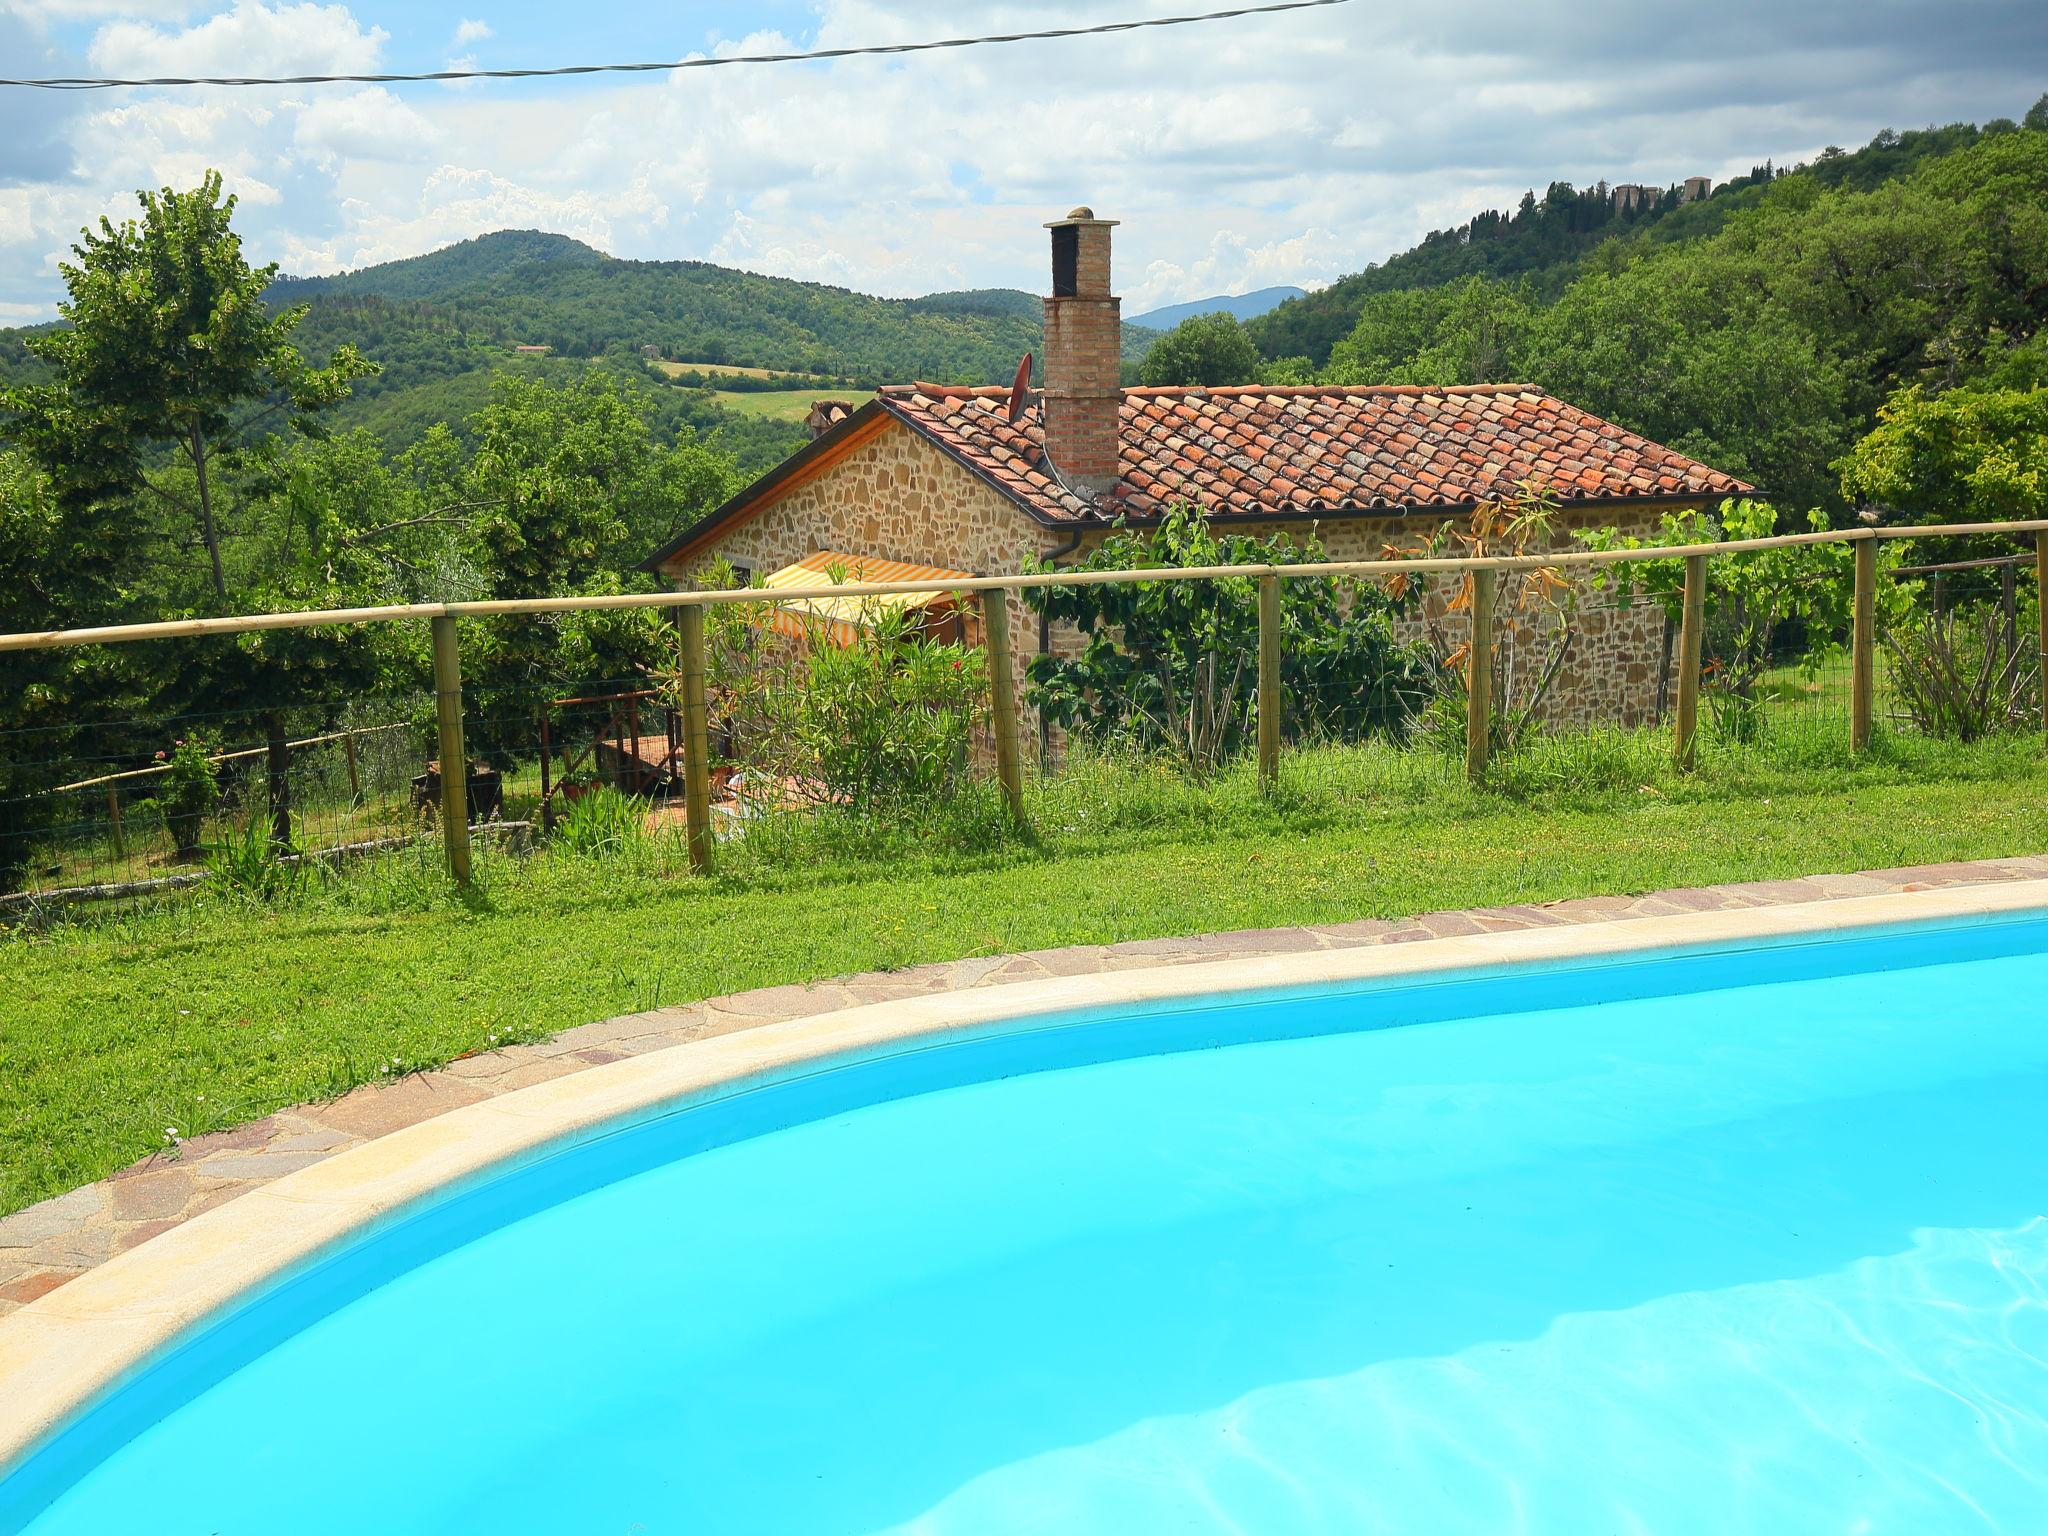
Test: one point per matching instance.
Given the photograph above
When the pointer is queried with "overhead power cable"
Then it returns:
(718, 62)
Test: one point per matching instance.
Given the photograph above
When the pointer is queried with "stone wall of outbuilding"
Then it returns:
(895, 496)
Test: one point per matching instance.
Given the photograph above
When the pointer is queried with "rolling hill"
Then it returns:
(523, 286)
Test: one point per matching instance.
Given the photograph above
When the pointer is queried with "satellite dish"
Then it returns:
(1020, 388)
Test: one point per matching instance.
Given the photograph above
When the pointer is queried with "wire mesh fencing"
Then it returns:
(1501, 678)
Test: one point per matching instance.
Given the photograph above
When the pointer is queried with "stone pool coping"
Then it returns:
(75, 1342)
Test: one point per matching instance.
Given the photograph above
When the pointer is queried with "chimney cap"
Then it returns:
(1082, 215)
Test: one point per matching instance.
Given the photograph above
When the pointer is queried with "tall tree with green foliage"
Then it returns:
(170, 406)
(1203, 349)
(169, 347)
(1970, 455)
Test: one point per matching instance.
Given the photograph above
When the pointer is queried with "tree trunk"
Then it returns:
(278, 758)
(208, 530)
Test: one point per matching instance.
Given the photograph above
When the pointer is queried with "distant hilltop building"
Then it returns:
(532, 349)
(1629, 196)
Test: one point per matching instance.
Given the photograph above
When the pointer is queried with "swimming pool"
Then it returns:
(1742, 1240)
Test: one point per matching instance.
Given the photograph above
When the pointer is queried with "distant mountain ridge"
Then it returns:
(1244, 306)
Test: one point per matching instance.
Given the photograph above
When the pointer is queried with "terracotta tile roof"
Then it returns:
(1314, 450)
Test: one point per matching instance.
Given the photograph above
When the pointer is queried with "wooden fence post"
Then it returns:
(1479, 675)
(1002, 693)
(696, 740)
(2041, 604)
(114, 820)
(1692, 625)
(1863, 645)
(454, 756)
(1270, 701)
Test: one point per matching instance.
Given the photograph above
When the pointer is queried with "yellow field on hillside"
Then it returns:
(785, 404)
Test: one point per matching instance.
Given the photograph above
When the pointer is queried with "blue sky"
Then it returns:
(1283, 149)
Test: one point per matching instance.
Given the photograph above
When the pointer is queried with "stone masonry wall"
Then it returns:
(1609, 676)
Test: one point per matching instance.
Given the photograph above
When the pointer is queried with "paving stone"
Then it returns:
(522, 1077)
(257, 1167)
(81, 1247)
(786, 1002)
(1016, 968)
(1183, 944)
(141, 1232)
(52, 1218)
(1364, 930)
(975, 971)
(36, 1283)
(149, 1196)
(1784, 892)
(1712, 899)
(1849, 885)
(317, 1139)
(1451, 925)
(1408, 936)
(1594, 909)
(1083, 960)
(257, 1133)
(386, 1107)
(587, 1036)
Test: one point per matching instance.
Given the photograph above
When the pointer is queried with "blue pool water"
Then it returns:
(1747, 1242)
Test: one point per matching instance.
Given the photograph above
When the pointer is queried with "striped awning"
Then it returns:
(844, 617)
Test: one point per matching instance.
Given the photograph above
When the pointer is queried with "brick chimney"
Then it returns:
(1083, 351)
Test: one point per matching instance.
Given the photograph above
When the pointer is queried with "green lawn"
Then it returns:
(214, 1010)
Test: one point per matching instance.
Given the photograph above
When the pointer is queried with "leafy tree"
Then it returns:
(1171, 666)
(1968, 455)
(1203, 349)
(170, 345)
(60, 567)
(571, 491)
(1473, 331)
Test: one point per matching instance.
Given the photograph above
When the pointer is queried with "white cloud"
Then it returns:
(251, 39)
(370, 124)
(1269, 150)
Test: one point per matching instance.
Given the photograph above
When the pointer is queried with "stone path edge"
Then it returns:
(44, 1246)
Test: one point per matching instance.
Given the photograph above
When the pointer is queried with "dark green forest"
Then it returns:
(1547, 240)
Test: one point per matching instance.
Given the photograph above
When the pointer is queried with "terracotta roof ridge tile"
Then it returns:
(1342, 391)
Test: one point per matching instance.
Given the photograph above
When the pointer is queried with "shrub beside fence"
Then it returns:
(1960, 674)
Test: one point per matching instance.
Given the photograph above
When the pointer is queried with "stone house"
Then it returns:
(983, 480)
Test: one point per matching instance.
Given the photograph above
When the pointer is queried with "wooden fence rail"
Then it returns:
(1484, 570)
